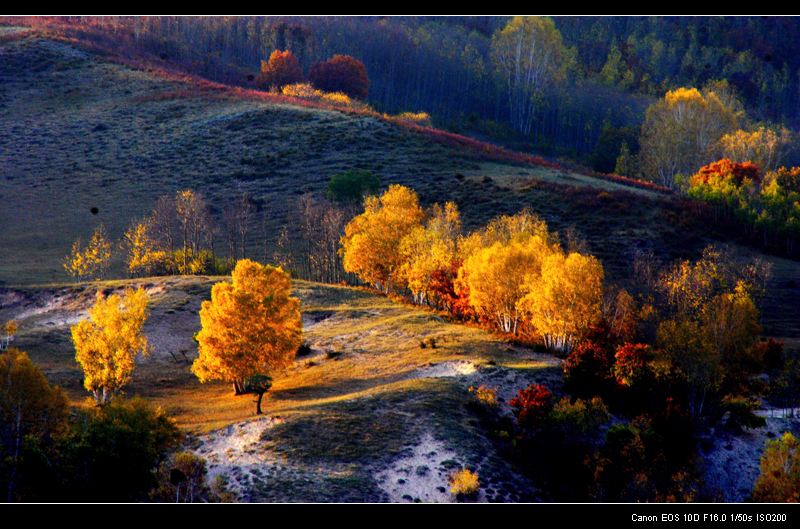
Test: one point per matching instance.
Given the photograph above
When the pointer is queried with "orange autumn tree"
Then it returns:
(107, 344)
(341, 73)
(251, 328)
(370, 247)
(280, 70)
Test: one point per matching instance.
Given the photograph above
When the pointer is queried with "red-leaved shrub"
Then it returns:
(532, 405)
(588, 369)
(630, 365)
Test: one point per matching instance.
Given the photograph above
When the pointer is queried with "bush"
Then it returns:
(741, 413)
(422, 119)
(465, 484)
(337, 98)
(631, 364)
(485, 396)
(113, 452)
(581, 417)
(304, 350)
(532, 405)
(588, 369)
(341, 73)
(302, 91)
(182, 479)
(353, 185)
(621, 468)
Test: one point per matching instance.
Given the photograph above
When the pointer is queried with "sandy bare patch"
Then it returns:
(422, 476)
(452, 368)
(237, 450)
(170, 336)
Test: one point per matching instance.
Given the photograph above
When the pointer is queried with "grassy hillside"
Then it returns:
(364, 398)
(78, 132)
(374, 411)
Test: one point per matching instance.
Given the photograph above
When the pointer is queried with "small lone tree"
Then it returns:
(10, 329)
(91, 261)
(251, 328)
(258, 384)
(280, 70)
(107, 344)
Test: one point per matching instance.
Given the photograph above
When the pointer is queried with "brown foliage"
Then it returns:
(341, 73)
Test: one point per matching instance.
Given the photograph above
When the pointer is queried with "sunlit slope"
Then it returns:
(365, 396)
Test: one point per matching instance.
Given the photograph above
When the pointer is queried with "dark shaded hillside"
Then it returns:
(78, 132)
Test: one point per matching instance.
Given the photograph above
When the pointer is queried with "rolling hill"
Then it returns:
(78, 131)
(368, 414)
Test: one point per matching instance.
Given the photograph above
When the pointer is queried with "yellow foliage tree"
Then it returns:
(250, 327)
(496, 261)
(370, 247)
(779, 481)
(430, 248)
(505, 229)
(730, 325)
(564, 299)
(107, 344)
(10, 329)
(681, 130)
(496, 279)
(143, 254)
(92, 261)
(689, 286)
(764, 146)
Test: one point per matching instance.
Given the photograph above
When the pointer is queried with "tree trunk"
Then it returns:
(258, 403)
